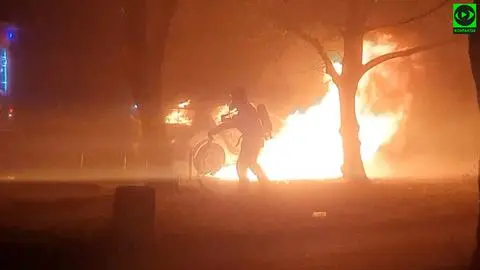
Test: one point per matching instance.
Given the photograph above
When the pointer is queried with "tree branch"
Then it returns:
(411, 19)
(289, 27)
(403, 53)
(329, 67)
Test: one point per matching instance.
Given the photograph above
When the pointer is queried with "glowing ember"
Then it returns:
(309, 144)
(179, 116)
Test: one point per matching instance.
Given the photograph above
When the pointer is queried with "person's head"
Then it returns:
(238, 97)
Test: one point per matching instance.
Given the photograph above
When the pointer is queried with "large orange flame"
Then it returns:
(309, 145)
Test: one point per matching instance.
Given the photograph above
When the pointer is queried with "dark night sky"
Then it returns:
(62, 56)
(69, 52)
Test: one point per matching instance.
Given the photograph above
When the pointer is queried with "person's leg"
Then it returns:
(259, 172)
(253, 153)
(243, 182)
(242, 169)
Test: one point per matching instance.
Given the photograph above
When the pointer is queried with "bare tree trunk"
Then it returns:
(159, 17)
(148, 27)
(474, 51)
(136, 57)
(353, 168)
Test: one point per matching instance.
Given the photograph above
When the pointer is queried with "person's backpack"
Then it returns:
(265, 120)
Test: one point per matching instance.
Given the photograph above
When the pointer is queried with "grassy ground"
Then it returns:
(385, 225)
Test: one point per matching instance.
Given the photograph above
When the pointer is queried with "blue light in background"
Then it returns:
(10, 32)
(3, 71)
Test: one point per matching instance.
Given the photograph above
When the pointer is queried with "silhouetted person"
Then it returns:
(248, 122)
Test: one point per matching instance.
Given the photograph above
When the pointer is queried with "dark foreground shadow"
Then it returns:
(384, 226)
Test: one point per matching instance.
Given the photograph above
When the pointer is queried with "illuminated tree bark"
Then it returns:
(474, 52)
(353, 168)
